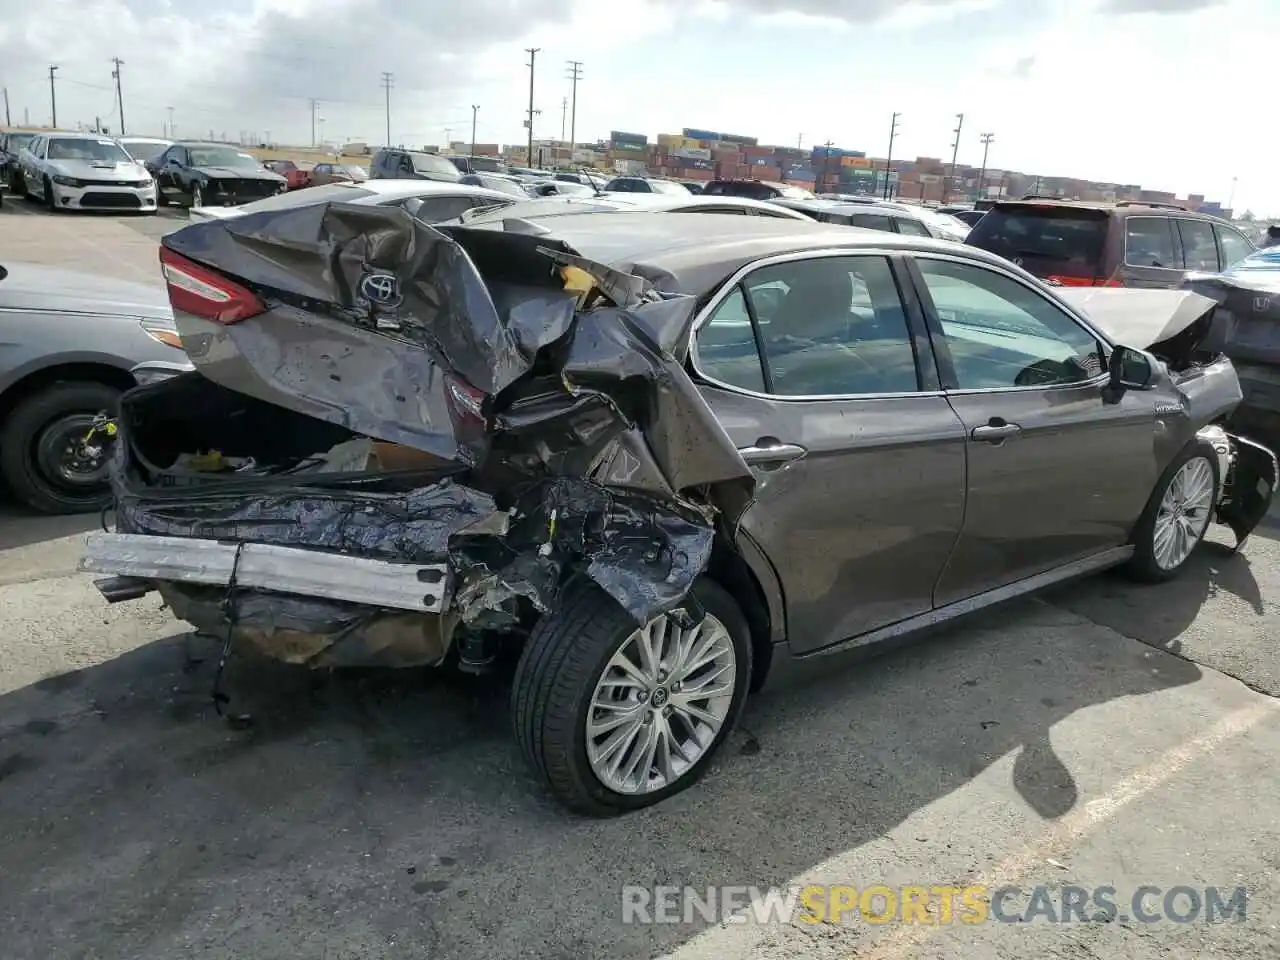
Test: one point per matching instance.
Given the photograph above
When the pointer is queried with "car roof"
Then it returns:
(419, 188)
(827, 205)
(694, 255)
(209, 143)
(539, 207)
(145, 139)
(1122, 208)
(777, 184)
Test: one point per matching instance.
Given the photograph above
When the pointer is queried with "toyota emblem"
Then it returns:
(381, 288)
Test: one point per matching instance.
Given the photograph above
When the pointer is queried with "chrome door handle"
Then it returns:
(771, 452)
(995, 432)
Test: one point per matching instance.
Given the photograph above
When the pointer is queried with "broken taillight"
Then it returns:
(202, 292)
(466, 403)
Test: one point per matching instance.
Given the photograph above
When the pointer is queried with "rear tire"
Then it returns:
(1167, 510)
(559, 676)
(41, 419)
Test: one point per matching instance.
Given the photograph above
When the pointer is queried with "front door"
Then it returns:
(810, 364)
(1055, 474)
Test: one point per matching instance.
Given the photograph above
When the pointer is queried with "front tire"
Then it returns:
(38, 453)
(617, 718)
(197, 196)
(1176, 517)
(50, 200)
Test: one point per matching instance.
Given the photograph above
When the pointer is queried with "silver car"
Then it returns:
(144, 149)
(69, 345)
(71, 171)
(429, 200)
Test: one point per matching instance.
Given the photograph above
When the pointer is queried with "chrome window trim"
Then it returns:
(1043, 291)
(727, 288)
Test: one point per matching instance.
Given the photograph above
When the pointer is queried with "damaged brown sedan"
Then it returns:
(656, 459)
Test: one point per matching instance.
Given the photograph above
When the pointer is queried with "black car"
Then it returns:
(211, 174)
(11, 144)
(967, 215)
(473, 165)
(399, 164)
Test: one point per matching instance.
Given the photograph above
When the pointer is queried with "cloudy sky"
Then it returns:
(1150, 91)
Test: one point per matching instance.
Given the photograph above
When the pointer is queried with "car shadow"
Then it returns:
(20, 527)
(370, 808)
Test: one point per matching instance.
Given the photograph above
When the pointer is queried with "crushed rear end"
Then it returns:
(400, 443)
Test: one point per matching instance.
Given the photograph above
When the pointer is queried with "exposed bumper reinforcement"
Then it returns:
(419, 587)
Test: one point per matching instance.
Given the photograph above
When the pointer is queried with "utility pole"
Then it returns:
(115, 75)
(826, 159)
(986, 139)
(475, 109)
(387, 81)
(575, 74)
(799, 141)
(173, 131)
(7, 121)
(955, 152)
(533, 58)
(53, 95)
(314, 104)
(564, 115)
(888, 161)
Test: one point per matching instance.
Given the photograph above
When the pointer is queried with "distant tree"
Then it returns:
(1247, 216)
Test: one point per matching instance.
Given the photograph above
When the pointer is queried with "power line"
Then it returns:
(387, 81)
(119, 95)
(574, 75)
(533, 58)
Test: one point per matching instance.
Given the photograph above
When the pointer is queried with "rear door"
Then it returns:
(1152, 253)
(1054, 474)
(1199, 247)
(818, 367)
(1063, 242)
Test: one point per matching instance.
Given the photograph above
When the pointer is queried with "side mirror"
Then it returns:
(1129, 369)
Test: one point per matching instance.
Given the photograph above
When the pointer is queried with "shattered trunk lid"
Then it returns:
(555, 387)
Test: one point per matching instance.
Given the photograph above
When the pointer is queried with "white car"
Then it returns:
(428, 200)
(638, 202)
(80, 171)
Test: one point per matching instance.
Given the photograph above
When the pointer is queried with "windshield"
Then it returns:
(668, 186)
(341, 192)
(430, 163)
(222, 157)
(101, 151)
(142, 151)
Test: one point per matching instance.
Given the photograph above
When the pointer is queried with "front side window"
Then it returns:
(1198, 246)
(1002, 334)
(1148, 242)
(829, 326)
(433, 209)
(222, 157)
(1235, 247)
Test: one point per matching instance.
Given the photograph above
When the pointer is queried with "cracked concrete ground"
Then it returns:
(1099, 735)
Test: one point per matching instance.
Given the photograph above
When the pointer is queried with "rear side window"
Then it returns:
(912, 228)
(1045, 240)
(1149, 242)
(1233, 244)
(1199, 250)
(870, 221)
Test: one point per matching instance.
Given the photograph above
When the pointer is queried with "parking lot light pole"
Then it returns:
(475, 109)
(53, 96)
(888, 160)
(115, 75)
(533, 58)
(387, 80)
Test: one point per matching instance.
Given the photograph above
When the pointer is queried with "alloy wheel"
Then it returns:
(1184, 513)
(661, 700)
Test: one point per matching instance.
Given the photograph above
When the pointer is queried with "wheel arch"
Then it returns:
(88, 368)
(749, 578)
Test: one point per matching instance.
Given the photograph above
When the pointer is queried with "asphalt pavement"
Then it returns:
(1104, 734)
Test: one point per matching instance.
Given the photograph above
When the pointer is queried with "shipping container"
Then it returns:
(673, 141)
(630, 147)
(621, 136)
(695, 134)
(692, 153)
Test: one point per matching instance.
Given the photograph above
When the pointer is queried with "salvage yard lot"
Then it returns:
(1104, 734)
